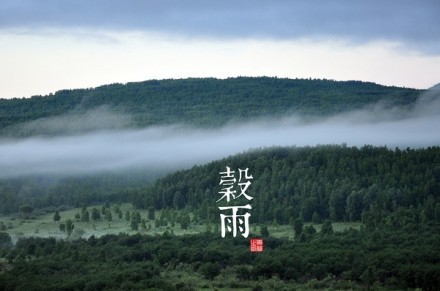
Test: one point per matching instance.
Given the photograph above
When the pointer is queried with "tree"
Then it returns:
(298, 227)
(5, 240)
(316, 218)
(95, 214)
(134, 225)
(264, 231)
(26, 210)
(184, 221)
(56, 216)
(326, 228)
(85, 216)
(354, 205)
(210, 270)
(69, 227)
(178, 200)
(62, 227)
(151, 215)
(108, 216)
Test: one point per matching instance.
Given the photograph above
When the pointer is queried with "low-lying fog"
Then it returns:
(178, 146)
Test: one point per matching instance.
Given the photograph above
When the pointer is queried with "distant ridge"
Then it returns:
(207, 102)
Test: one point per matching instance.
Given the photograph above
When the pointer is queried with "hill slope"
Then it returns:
(206, 102)
(328, 182)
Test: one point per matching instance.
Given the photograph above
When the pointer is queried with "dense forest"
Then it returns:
(388, 256)
(312, 183)
(393, 195)
(203, 102)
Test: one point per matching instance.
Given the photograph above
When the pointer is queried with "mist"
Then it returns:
(175, 147)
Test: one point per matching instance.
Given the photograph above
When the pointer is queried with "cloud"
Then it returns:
(73, 123)
(175, 147)
(412, 23)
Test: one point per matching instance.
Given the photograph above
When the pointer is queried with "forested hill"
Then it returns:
(207, 101)
(314, 183)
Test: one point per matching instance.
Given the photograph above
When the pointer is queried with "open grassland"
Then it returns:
(43, 225)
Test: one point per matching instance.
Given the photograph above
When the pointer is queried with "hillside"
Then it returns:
(336, 182)
(312, 183)
(205, 102)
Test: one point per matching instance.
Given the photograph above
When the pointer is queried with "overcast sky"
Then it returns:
(60, 44)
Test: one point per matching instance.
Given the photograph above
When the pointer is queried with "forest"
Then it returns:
(390, 256)
(392, 195)
(205, 102)
(312, 183)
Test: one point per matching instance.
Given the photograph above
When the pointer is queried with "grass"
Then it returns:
(44, 226)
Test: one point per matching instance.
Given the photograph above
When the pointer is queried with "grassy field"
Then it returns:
(44, 226)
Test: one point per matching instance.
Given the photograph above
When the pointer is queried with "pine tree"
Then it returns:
(56, 216)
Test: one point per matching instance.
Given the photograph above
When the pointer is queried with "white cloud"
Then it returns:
(175, 147)
(41, 63)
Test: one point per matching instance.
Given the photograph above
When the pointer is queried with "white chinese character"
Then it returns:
(227, 192)
(244, 186)
(228, 175)
(245, 171)
(229, 222)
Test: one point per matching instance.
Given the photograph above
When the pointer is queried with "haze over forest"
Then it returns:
(102, 137)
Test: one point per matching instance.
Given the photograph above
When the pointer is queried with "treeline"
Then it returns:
(46, 193)
(205, 102)
(312, 183)
(396, 258)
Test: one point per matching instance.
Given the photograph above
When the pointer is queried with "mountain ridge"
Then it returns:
(207, 102)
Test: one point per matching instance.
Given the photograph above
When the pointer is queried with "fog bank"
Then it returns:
(179, 146)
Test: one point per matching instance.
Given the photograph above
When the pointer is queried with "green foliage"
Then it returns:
(151, 215)
(327, 228)
(108, 216)
(96, 215)
(313, 183)
(56, 216)
(5, 240)
(85, 216)
(210, 270)
(69, 227)
(394, 259)
(264, 231)
(298, 227)
(316, 218)
(184, 221)
(203, 102)
(27, 209)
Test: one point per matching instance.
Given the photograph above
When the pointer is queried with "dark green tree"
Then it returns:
(298, 227)
(5, 240)
(69, 227)
(264, 231)
(210, 270)
(151, 215)
(95, 214)
(326, 228)
(56, 216)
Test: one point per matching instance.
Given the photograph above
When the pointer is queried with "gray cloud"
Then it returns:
(414, 23)
(175, 147)
(73, 123)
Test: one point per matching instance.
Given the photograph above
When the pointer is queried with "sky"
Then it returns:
(51, 45)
